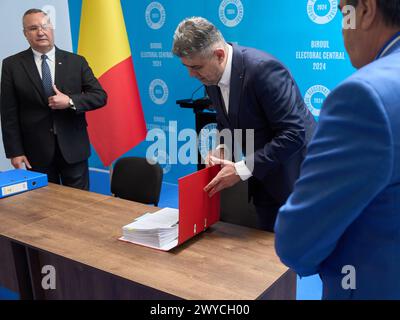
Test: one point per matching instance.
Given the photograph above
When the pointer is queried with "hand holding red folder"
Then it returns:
(226, 178)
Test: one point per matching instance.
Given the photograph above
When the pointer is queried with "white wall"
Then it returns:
(11, 12)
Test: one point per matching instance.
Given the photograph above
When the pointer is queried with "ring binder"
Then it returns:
(18, 180)
(197, 212)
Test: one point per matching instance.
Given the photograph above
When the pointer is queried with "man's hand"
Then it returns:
(18, 162)
(59, 101)
(219, 154)
(226, 178)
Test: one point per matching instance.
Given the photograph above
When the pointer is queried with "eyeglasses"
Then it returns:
(43, 27)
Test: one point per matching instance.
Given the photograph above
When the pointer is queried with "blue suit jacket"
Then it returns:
(345, 208)
(265, 97)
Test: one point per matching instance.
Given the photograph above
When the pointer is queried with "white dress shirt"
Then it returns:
(51, 61)
(225, 82)
(225, 85)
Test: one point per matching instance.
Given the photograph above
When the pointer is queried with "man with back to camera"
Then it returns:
(250, 90)
(45, 93)
(343, 218)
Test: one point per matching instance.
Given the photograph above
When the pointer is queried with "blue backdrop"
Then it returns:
(304, 34)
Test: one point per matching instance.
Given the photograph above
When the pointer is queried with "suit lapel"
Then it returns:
(30, 67)
(60, 65)
(221, 102)
(236, 86)
(216, 97)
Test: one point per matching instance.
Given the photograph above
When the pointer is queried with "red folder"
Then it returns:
(197, 211)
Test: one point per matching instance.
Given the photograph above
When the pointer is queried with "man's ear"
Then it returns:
(220, 54)
(367, 13)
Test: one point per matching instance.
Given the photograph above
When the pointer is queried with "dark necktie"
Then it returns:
(221, 97)
(46, 78)
(47, 83)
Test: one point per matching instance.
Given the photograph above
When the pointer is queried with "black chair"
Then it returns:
(235, 207)
(136, 179)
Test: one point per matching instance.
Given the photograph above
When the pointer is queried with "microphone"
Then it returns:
(196, 104)
(202, 86)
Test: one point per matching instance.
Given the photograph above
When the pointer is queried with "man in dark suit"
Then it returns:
(45, 93)
(250, 90)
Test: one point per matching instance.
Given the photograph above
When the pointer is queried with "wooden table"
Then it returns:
(76, 232)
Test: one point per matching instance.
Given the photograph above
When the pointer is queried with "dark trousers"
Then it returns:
(266, 214)
(75, 175)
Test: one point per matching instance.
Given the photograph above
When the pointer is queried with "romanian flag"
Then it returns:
(103, 41)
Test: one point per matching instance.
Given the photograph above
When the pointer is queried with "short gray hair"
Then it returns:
(196, 36)
(32, 11)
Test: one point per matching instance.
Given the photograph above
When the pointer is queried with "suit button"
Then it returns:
(51, 130)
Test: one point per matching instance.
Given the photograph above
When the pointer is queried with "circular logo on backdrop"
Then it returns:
(315, 97)
(155, 15)
(158, 91)
(207, 139)
(231, 12)
(322, 11)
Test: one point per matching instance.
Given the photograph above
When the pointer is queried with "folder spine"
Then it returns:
(13, 189)
(16, 181)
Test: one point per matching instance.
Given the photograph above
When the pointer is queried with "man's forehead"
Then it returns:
(193, 61)
(34, 17)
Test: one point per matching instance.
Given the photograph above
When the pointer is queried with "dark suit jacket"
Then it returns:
(265, 97)
(26, 119)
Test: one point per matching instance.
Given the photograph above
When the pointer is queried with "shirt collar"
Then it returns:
(50, 55)
(389, 45)
(226, 76)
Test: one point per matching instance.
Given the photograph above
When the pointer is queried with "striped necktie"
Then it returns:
(46, 77)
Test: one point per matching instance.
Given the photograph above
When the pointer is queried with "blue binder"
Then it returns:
(18, 180)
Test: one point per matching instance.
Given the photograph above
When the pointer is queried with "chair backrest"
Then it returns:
(236, 208)
(136, 179)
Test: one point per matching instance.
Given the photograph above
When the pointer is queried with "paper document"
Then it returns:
(158, 230)
(168, 228)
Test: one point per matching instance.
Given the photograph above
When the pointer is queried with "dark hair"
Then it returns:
(390, 10)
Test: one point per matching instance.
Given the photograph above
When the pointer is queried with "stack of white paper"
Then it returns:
(157, 230)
